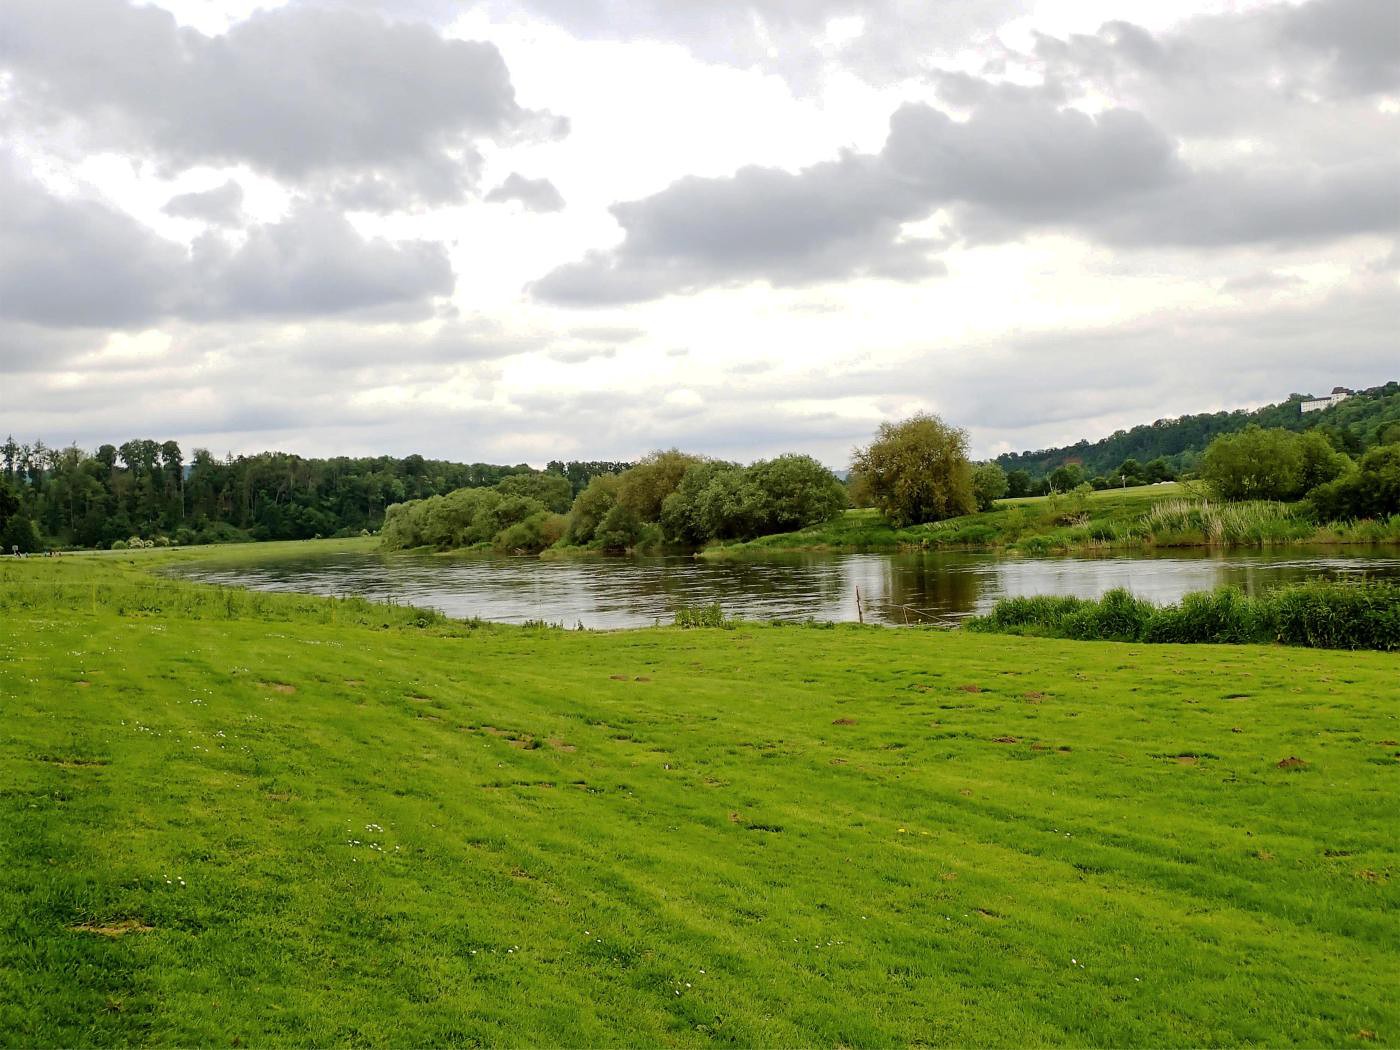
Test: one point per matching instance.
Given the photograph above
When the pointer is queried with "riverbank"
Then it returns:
(261, 821)
(1171, 515)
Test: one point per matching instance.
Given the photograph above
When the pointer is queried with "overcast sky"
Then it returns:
(532, 229)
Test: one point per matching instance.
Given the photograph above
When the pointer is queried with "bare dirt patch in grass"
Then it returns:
(1291, 762)
(561, 745)
(1033, 696)
(71, 761)
(279, 687)
(843, 722)
(1006, 740)
(119, 928)
(970, 688)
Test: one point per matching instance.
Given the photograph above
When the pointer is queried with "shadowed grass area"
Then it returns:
(294, 831)
(1166, 515)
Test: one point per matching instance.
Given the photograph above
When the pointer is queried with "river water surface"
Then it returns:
(893, 588)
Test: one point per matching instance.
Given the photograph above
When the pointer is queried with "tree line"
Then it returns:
(1175, 446)
(148, 491)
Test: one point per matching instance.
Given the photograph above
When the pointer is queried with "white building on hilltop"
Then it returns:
(1317, 404)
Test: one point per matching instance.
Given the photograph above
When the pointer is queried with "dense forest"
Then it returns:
(146, 489)
(1352, 426)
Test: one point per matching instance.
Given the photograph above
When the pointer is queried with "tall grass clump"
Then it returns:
(1042, 613)
(702, 616)
(1327, 615)
(1258, 523)
(1225, 616)
(1322, 614)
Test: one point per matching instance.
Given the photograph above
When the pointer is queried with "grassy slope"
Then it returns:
(1113, 518)
(763, 836)
(868, 529)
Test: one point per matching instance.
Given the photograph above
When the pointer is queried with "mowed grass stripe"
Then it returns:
(815, 918)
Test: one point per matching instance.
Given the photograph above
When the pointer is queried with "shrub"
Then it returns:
(989, 484)
(534, 534)
(1372, 490)
(119, 545)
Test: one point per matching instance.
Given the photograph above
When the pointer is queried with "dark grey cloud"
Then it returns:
(534, 194)
(74, 262)
(221, 206)
(386, 114)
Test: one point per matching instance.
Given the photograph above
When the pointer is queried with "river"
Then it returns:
(893, 588)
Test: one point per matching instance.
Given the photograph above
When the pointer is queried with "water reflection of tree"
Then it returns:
(921, 587)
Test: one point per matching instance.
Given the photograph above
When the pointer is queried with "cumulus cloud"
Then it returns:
(314, 263)
(533, 194)
(1266, 68)
(1019, 159)
(77, 262)
(837, 219)
(387, 114)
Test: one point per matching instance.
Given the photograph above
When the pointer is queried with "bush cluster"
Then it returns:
(1320, 614)
(499, 517)
(687, 501)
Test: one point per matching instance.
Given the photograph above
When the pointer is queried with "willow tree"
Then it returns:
(917, 471)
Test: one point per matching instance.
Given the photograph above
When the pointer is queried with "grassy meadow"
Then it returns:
(243, 819)
(1171, 514)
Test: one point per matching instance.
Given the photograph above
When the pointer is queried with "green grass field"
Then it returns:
(1112, 518)
(270, 820)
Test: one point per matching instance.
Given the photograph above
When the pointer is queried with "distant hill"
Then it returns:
(1353, 424)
